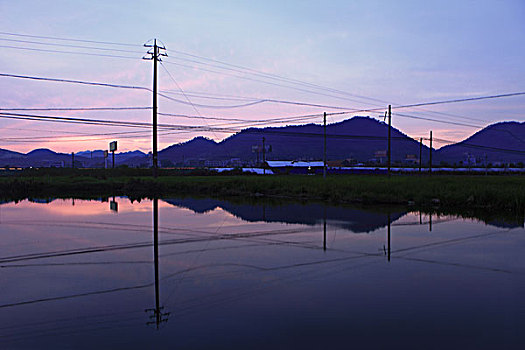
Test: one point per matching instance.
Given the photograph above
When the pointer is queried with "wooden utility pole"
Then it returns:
(324, 152)
(155, 56)
(420, 152)
(155, 59)
(264, 156)
(430, 161)
(72, 159)
(389, 150)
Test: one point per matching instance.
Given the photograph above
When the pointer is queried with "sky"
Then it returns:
(342, 55)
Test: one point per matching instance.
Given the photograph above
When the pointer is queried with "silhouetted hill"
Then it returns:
(4, 154)
(358, 138)
(199, 147)
(501, 142)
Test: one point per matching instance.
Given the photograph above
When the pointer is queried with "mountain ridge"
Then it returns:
(360, 139)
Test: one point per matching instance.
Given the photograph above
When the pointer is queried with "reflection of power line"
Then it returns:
(475, 267)
(448, 241)
(144, 245)
(72, 296)
(68, 264)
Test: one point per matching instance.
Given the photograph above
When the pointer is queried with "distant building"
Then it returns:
(379, 156)
(411, 159)
(295, 167)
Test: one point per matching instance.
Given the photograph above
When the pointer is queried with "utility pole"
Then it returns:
(420, 152)
(155, 56)
(430, 161)
(324, 153)
(264, 156)
(389, 138)
(72, 160)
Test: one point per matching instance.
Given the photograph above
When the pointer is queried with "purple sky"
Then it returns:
(372, 52)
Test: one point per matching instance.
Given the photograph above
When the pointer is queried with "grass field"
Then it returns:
(450, 193)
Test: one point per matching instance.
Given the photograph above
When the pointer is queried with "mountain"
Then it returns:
(501, 142)
(6, 154)
(118, 156)
(199, 147)
(91, 154)
(358, 138)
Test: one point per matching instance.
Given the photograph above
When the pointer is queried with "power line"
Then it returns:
(68, 39)
(263, 81)
(77, 109)
(211, 106)
(243, 69)
(59, 80)
(479, 98)
(67, 52)
(438, 121)
(236, 68)
(69, 45)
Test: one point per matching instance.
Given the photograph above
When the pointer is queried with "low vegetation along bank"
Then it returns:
(501, 193)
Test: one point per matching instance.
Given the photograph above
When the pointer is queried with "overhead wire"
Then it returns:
(67, 39)
(237, 68)
(67, 52)
(112, 49)
(71, 81)
(77, 109)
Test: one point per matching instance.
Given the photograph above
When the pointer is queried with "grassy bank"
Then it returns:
(501, 193)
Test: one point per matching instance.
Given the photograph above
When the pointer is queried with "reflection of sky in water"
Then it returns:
(81, 276)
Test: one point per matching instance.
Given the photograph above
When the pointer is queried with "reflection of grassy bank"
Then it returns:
(454, 193)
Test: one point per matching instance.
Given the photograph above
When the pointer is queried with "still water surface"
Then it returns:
(87, 274)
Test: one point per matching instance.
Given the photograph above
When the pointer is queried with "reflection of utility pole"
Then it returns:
(157, 311)
(324, 229)
(430, 223)
(430, 156)
(113, 205)
(388, 236)
(324, 151)
(420, 153)
(389, 138)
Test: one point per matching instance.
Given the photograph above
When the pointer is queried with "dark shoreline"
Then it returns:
(471, 196)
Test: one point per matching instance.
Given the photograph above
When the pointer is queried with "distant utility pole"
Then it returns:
(389, 138)
(155, 56)
(72, 159)
(264, 156)
(430, 161)
(324, 153)
(420, 152)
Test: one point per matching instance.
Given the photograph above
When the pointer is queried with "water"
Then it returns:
(86, 274)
